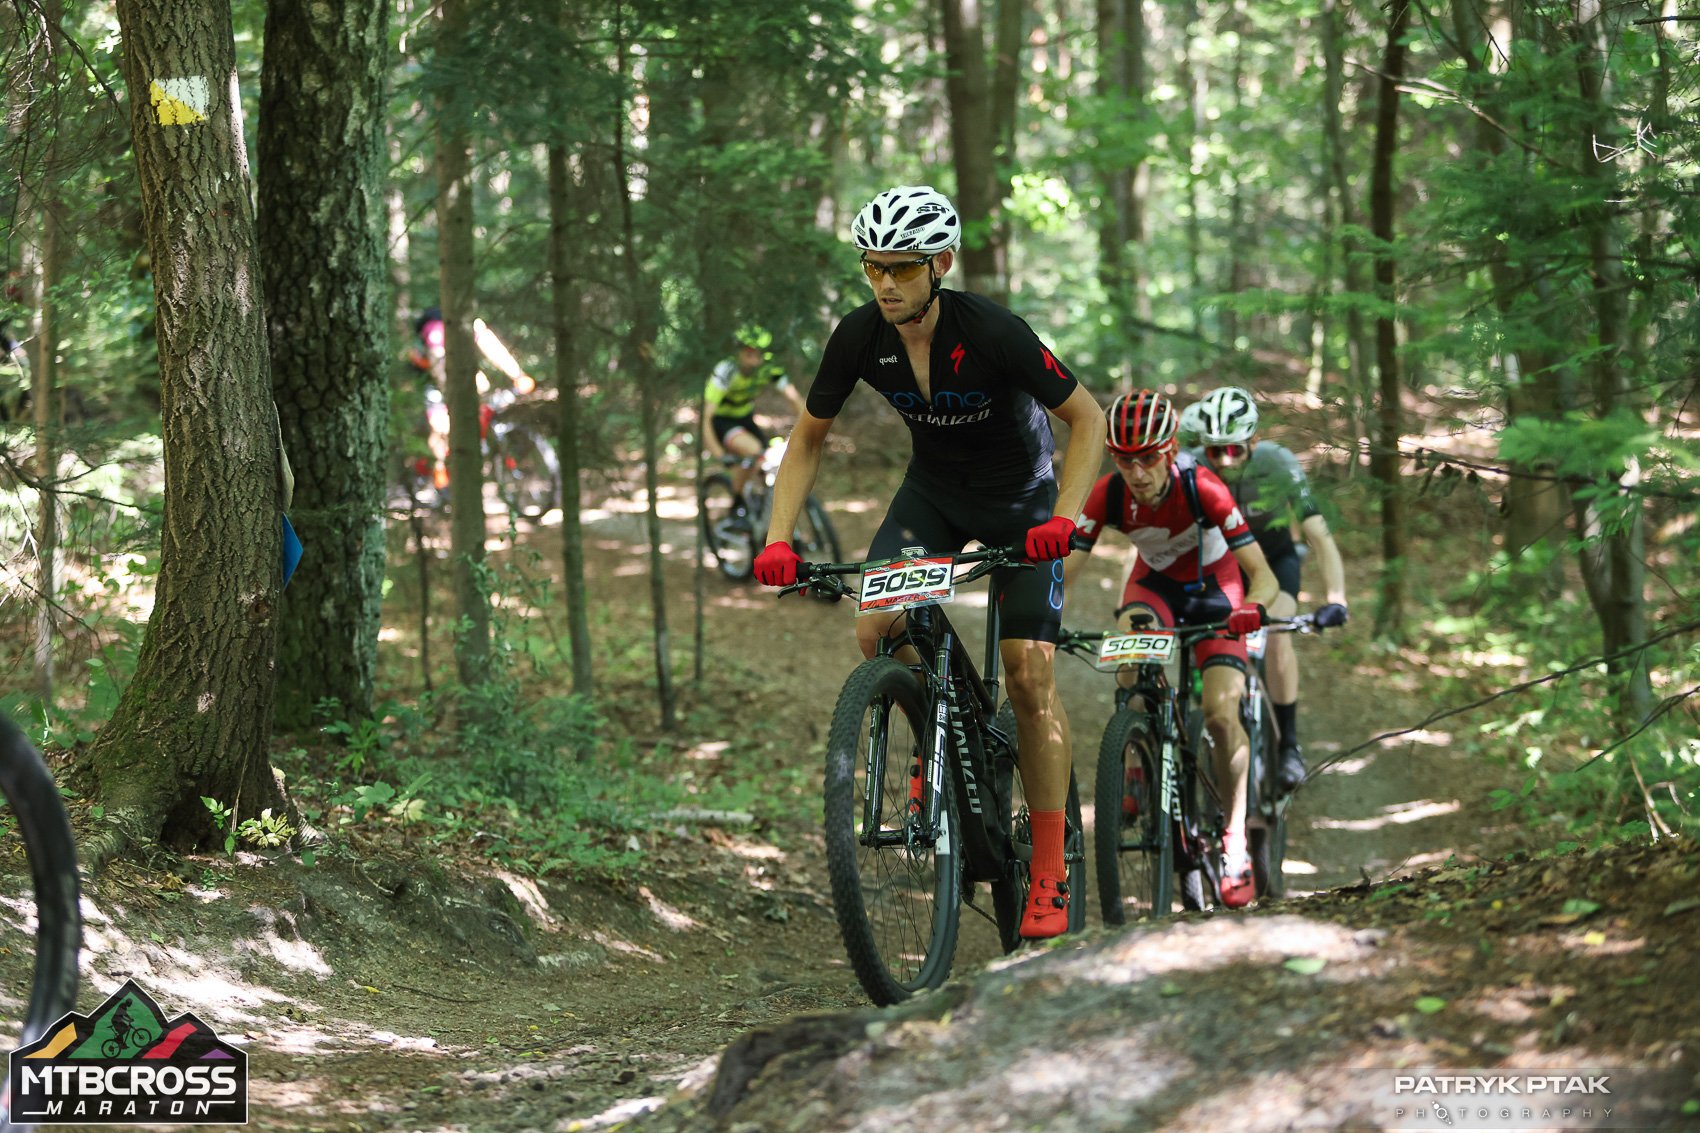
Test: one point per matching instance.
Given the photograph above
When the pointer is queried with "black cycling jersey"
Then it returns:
(985, 428)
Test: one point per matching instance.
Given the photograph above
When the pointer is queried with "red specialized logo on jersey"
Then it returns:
(957, 354)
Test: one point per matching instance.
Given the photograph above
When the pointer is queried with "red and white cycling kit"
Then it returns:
(1172, 563)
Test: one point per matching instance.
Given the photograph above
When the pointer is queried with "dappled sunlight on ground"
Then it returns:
(1398, 814)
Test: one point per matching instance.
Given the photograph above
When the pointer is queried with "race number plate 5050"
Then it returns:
(1150, 646)
(905, 583)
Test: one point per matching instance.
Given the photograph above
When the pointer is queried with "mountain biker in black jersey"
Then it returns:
(973, 383)
(730, 426)
(1271, 488)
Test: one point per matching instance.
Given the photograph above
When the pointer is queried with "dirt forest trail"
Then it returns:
(1406, 802)
(385, 993)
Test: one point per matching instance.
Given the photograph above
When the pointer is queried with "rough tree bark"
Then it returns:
(974, 124)
(321, 208)
(196, 717)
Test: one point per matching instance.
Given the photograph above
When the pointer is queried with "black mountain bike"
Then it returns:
(923, 796)
(732, 528)
(40, 820)
(1159, 815)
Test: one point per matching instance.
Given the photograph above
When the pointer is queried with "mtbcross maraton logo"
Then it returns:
(126, 1063)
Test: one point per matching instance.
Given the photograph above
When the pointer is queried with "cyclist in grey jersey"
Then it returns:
(1271, 489)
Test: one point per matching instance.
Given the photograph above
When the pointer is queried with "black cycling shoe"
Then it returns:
(1292, 770)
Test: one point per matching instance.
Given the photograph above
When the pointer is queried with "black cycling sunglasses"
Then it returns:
(902, 271)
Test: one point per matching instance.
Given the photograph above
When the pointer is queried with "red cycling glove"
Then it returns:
(1049, 540)
(1246, 619)
(777, 565)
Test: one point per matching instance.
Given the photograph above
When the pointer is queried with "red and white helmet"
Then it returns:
(1141, 421)
(908, 218)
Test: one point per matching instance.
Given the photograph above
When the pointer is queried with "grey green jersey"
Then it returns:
(1271, 490)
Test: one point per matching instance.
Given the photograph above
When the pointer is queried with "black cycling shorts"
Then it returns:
(1285, 564)
(941, 520)
(723, 425)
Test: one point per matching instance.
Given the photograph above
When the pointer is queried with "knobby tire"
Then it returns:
(531, 487)
(46, 833)
(816, 538)
(1267, 833)
(1135, 856)
(734, 552)
(896, 906)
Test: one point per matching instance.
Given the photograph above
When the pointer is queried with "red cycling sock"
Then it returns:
(1048, 843)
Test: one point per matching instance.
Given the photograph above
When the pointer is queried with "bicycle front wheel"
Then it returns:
(1266, 835)
(1009, 897)
(725, 532)
(894, 882)
(816, 539)
(1133, 832)
(46, 833)
(527, 473)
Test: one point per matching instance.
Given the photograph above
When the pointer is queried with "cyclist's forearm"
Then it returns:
(1327, 552)
(1085, 451)
(796, 477)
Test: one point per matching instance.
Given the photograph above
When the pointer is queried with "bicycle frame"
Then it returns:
(962, 726)
(946, 668)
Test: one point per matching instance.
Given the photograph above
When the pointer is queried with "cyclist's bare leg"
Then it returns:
(1041, 723)
(870, 629)
(1127, 674)
(1224, 686)
(1280, 663)
(742, 444)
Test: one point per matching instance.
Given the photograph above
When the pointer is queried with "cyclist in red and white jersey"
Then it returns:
(1187, 572)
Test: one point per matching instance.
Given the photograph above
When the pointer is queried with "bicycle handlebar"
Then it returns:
(1077, 641)
(826, 579)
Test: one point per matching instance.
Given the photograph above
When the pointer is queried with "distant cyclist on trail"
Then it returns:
(1187, 573)
(973, 383)
(426, 356)
(730, 426)
(1272, 490)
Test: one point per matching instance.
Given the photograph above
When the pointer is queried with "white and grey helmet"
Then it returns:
(1192, 421)
(908, 218)
(1227, 416)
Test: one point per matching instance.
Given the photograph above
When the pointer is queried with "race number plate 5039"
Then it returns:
(1150, 646)
(905, 583)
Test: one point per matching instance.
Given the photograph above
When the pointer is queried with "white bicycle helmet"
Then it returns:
(1192, 420)
(1227, 416)
(908, 218)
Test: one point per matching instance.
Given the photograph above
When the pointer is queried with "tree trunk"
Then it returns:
(44, 377)
(196, 717)
(1384, 450)
(973, 139)
(322, 223)
(562, 251)
(1355, 340)
(638, 358)
(1613, 561)
(460, 368)
(1121, 223)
